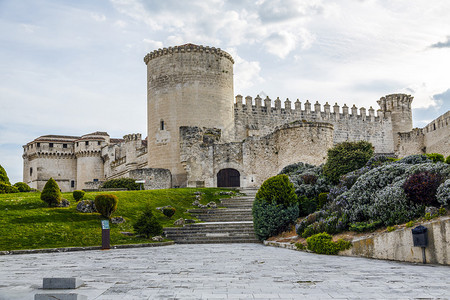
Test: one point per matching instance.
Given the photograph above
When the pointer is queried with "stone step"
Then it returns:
(217, 241)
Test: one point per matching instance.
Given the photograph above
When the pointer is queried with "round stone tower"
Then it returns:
(187, 85)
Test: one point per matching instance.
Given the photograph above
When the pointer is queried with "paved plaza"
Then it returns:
(221, 271)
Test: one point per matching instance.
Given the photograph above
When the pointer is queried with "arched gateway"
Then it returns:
(228, 178)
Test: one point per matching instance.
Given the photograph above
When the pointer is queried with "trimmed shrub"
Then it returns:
(106, 204)
(443, 193)
(270, 219)
(78, 195)
(147, 224)
(3, 176)
(7, 189)
(22, 187)
(421, 188)
(447, 160)
(51, 193)
(121, 183)
(346, 157)
(169, 211)
(321, 243)
(435, 157)
(278, 190)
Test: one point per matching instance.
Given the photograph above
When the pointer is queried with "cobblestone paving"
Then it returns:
(221, 271)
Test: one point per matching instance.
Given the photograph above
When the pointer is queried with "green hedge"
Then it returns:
(78, 195)
(121, 183)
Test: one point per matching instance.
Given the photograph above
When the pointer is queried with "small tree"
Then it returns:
(78, 195)
(106, 204)
(346, 157)
(3, 177)
(51, 193)
(147, 224)
(421, 188)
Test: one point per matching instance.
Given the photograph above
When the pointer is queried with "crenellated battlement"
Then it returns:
(325, 112)
(132, 137)
(441, 123)
(186, 49)
(396, 102)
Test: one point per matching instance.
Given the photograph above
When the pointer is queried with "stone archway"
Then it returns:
(228, 178)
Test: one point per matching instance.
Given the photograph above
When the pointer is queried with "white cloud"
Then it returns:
(153, 44)
(246, 73)
(98, 17)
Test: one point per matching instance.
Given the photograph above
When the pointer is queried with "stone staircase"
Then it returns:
(232, 224)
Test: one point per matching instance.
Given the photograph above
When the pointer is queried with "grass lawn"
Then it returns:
(27, 223)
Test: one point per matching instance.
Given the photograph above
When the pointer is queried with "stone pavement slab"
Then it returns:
(221, 271)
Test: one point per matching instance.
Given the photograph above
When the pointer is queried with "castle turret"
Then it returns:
(399, 108)
(88, 151)
(187, 85)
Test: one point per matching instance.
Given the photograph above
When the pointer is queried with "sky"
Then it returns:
(76, 67)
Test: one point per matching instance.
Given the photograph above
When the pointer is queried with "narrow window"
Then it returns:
(50, 145)
(99, 143)
(87, 143)
(72, 183)
(162, 125)
(31, 171)
(77, 144)
(64, 146)
(95, 180)
(38, 144)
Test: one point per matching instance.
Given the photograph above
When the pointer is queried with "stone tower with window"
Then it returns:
(187, 85)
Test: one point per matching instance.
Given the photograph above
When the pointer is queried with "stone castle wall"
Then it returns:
(261, 118)
(433, 138)
(256, 158)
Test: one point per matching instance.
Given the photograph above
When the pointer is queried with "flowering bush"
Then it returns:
(443, 193)
(308, 180)
(414, 159)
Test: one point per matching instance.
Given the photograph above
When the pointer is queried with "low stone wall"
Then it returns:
(398, 244)
(154, 178)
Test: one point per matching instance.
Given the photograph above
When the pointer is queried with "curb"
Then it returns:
(72, 249)
(280, 245)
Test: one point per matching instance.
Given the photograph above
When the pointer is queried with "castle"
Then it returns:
(199, 134)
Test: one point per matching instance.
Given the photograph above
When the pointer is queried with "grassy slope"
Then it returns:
(27, 223)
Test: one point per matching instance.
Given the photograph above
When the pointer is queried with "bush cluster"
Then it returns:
(121, 183)
(447, 160)
(78, 195)
(22, 187)
(7, 189)
(106, 204)
(3, 176)
(147, 224)
(321, 243)
(51, 193)
(322, 221)
(346, 157)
